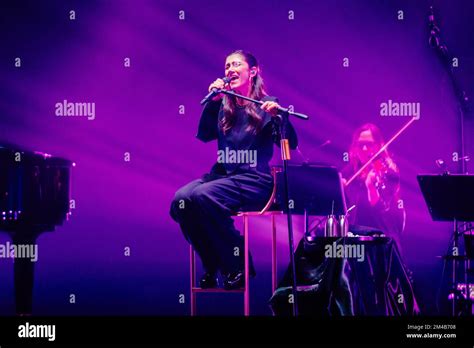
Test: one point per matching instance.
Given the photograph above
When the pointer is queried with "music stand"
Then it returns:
(314, 190)
(450, 198)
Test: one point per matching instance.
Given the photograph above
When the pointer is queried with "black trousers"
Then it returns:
(204, 209)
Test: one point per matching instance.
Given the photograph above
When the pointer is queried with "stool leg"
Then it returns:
(274, 255)
(192, 271)
(247, 278)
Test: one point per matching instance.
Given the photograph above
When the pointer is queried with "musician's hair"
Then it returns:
(257, 91)
(378, 139)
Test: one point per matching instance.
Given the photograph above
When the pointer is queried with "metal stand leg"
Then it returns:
(306, 222)
(192, 271)
(455, 247)
(274, 255)
(247, 278)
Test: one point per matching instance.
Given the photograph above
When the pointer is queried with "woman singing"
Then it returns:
(239, 180)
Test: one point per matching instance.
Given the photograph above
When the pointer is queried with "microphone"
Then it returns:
(228, 79)
(214, 91)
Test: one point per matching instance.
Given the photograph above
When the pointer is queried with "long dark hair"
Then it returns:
(378, 139)
(257, 91)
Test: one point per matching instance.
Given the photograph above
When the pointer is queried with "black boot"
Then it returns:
(236, 279)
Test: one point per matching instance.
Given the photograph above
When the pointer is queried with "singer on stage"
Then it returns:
(239, 181)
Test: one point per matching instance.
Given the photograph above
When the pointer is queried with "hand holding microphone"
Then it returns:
(218, 84)
(215, 87)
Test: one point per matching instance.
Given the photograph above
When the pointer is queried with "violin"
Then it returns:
(383, 168)
(381, 165)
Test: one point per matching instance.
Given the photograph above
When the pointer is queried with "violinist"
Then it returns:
(375, 192)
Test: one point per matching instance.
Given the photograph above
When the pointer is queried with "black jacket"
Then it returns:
(239, 141)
